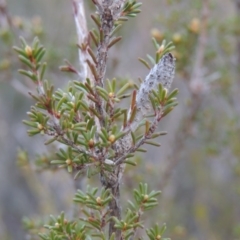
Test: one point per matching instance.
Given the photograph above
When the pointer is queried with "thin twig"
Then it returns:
(82, 34)
(238, 37)
(5, 18)
(197, 86)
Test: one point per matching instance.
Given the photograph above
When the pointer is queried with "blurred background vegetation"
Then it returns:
(197, 167)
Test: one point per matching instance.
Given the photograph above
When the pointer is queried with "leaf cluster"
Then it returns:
(88, 119)
(94, 217)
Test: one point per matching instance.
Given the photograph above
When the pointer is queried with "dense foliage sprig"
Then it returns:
(99, 134)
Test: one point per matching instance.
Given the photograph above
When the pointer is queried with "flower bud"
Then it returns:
(161, 49)
(98, 200)
(111, 94)
(157, 34)
(68, 161)
(91, 143)
(194, 25)
(40, 126)
(177, 38)
(28, 51)
(145, 197)
(111, 138)
(57, 225)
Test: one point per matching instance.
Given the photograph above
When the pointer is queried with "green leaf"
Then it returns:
(112, 236)
(70, 168)
(148, 206)
(43, 71)
(96, 20)
(163, 228)
(58, 162)
(35, 43)
(119, 135)
(163, 94)
(153, 194)
(123, 89)
(114, 41)
(30, 123)
(28, 74)
(153, 143)
(40, 55)
(33, 132)
(155, 135)
(123, 19)
(94, 38)
(130, 162)
(115, 29)
(37, 52)
(133, 114)
(62, 154)
(102, 92)
(155, 43)
(51, 140)
(25, 60)
(167, 111)
(23, 41)
(141, 150)
(173, 93)
(20, 51)
(151, 59)
(145, 63)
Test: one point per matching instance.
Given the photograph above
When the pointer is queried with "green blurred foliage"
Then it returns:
(210, 153)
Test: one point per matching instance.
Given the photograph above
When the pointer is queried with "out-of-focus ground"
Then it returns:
(198, 165)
